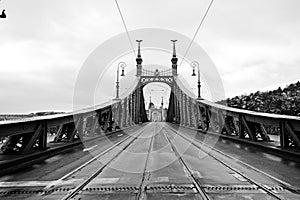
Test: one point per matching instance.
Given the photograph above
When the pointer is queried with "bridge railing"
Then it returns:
(243, 124)
(24, 135)
(28, 134)
(255, 126)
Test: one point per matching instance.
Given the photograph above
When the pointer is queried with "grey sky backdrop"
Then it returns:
(254, 44)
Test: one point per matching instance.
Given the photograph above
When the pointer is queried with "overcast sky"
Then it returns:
(254, 44)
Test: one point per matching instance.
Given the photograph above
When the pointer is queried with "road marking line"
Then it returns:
(197, 174)
(160, 179)
(25, 184)
(239, 177)
(105, 180)
(60, 180)
(90, 148)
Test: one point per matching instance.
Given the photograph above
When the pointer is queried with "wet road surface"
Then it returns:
(154, 162)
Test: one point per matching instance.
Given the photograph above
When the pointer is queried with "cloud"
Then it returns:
(43, 44)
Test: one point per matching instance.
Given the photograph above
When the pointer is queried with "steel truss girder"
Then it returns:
(64, 133)
(144, 80)
(27, 142)
(243, 125)
(229, 122)
(289, 137)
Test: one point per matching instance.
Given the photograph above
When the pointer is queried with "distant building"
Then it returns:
(156, 114)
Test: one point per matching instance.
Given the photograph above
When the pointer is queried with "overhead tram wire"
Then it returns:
(202, 20)
(124, 24)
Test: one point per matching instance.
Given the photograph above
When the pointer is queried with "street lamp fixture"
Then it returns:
(194, 74)
(120, 65)
(195, 66)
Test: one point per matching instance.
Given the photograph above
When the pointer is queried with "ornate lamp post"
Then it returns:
(120, 65)
(194, 65)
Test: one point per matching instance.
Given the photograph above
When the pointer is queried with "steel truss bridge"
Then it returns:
(135, 159)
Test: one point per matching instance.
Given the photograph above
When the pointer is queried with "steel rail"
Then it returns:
(283, 183)
(146, 173)
(29, 160)
(75, 191)
(251, 181)
(201, 191)
(87, 163)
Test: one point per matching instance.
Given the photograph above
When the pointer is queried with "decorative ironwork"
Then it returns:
(167, 72)
(149, 76)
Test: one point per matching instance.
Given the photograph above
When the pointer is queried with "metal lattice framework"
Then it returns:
(219, 119)
(26, 135)
(148, 76)
(29, 134)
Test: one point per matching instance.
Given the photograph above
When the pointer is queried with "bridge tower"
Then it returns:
(140, 114)
(147, 76)
(174, 59)
(173, 114)
(139, 60)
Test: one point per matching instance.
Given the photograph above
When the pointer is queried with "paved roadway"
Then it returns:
(157, 161)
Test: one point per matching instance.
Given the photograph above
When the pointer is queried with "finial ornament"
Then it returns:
(139, 47)
(139, 59)
(174, 59)
(174, 49)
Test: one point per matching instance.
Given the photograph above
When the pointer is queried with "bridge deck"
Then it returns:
(157, 161)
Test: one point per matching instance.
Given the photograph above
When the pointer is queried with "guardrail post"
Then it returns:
(223, 123)
(107, 125)
(185, 110)
(71, 132)
(57, 136)
(95, 124)
(194, 115)
(207, 117)
(264, 133)
(289, 131)
(211, 117)
(27, 146)
(191, 112)
(284, 139)
(43, 137)
(235, 122)
(201, 112)
(249, 129)
(241, 127)
(226, 124)
(65, 133)
(125, 112)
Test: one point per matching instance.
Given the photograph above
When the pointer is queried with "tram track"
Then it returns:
(79, 187)
(145, 179)
(146, 174)
(10, 166)
(194, 180)
(250, 180)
